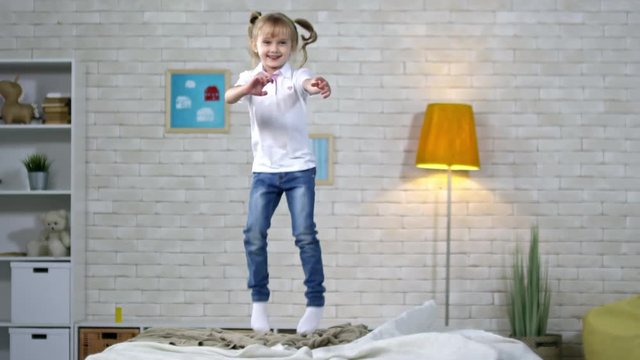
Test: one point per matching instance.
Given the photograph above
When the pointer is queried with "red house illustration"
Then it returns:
(211, 93)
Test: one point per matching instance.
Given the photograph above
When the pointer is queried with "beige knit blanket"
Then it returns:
(239, 339)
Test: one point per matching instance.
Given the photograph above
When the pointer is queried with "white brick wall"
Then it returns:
(554, 85)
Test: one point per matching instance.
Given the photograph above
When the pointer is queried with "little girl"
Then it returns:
(283, 162)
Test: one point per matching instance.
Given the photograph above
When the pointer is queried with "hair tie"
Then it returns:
(254, 17)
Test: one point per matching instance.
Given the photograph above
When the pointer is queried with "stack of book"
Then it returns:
(56, 108)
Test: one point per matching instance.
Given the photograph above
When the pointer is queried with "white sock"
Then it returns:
(310, 320)
(259, 317)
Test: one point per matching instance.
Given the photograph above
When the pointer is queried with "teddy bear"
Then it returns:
(55, 239)
(12, 110)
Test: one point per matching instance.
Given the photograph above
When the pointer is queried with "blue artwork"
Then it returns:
(322, 147)
(195, 101)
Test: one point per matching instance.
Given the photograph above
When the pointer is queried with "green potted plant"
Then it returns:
(37, 166)
(530, 299)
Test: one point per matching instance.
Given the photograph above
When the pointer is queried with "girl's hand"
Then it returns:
(321, 86)
(253, 87)
(257, 84)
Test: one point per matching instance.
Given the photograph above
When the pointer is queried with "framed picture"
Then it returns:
(322, 146)
(195, 101)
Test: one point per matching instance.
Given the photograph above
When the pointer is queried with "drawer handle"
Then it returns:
(41, 270)
(109, 336)
(39, 336)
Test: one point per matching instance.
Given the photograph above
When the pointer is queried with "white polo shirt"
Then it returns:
(279, 136)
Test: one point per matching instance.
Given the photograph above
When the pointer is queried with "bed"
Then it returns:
(412, 335)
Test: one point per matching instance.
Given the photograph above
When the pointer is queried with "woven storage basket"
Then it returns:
(94, 340)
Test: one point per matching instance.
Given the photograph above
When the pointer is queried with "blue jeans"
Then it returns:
(266, 191)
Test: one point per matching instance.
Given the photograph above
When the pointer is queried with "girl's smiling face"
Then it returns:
(274, 48)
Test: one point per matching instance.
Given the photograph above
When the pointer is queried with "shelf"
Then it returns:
(34, 192)
(34, 127)
(7, 323)
(40, 65)
(21, 208)
(35, 258)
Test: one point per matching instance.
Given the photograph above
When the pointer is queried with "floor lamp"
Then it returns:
(448, 142)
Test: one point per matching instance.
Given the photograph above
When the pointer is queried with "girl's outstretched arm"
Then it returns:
(318, 85)
(253, 87)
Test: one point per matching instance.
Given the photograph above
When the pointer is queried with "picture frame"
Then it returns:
(194, 101)
(322, 147)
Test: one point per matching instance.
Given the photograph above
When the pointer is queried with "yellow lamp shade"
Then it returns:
(448, 138)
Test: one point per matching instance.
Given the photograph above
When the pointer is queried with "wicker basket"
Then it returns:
(94, 340)
(548, 347)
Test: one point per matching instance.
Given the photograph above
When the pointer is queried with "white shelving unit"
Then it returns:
(20, 208)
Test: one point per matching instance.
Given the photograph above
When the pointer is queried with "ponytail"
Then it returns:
(252, 21)
(306, 40)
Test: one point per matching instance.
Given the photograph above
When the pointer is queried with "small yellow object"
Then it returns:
(118, 314)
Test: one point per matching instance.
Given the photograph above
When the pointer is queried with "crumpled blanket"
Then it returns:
(411, 336)
(234, 339)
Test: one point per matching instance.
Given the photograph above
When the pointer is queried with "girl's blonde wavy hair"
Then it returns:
(276, 23)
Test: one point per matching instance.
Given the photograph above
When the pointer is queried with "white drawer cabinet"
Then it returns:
(39, 344)
(40, 293)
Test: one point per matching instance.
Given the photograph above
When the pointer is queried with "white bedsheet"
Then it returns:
(411, 336)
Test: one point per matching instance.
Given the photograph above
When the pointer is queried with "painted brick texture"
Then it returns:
(555, 89)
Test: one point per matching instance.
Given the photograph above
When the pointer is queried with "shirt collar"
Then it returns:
(285, 71)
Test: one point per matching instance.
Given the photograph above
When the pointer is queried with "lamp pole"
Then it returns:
(448, 265)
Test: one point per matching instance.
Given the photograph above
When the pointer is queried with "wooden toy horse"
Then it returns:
(12, 110)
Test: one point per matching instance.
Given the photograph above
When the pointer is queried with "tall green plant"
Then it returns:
(529, 292)
(37, 162)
